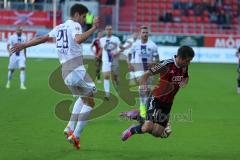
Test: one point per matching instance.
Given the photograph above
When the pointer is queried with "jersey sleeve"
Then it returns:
(53, 33)
(10, 40)
(159, 68)
(76, 29)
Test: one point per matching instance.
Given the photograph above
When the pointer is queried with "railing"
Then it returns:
(44, 6)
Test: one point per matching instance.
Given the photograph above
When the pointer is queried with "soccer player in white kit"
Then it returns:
(110, 45)
(69, 37)
(127, 45)
(17, 60)
(144, 53)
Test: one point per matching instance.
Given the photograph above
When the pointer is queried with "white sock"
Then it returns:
(107, 87)
(22, 77)
(82, 120)
(75, 113)
(9, 76)
(131, 75)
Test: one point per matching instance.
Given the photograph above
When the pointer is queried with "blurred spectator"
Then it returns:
(176, 4)
(198, 10)
(229, 20)
(166, 17)
(213, 17)
(221, 21)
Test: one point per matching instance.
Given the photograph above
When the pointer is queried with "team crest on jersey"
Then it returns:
(77, 28)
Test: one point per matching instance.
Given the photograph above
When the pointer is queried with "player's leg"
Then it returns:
(98, 69)
(86, 88)
(22, 66)
(106, 69)
(115, 77)
(160, 131)
(88, 104)
(11, 67)
(146, 127)
(74, 117)
(22, 78)
(9, 78)
(144, 94)
(83, 116)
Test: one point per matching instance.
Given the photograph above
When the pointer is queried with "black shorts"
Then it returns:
(157, 111)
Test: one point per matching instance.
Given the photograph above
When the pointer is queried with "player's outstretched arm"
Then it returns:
(18, 47)
(82, 37)
(143, 80)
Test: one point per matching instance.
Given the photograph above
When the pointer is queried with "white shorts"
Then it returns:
(106, 67)
(16, 62)
(80, 83)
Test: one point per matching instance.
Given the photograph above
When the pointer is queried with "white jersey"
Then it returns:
(110, 46)
(129, 42)
(143, 54)
(67, 47)
(17, 39)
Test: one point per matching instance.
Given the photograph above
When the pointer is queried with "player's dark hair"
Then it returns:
(78, 8)
(143, 27)
(185, 52)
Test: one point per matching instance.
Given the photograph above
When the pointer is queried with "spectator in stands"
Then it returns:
(166, 17)
(229, 19)
(198, 10)
(213, 17)
(176, 4)
(221, 21)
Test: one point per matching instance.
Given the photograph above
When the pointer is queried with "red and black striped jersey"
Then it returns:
(170, 78)
(96, 44)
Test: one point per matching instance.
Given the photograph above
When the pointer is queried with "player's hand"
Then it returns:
(183, 83)
(96, 22)
(16, 48)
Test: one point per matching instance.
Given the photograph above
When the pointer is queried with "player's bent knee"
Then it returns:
(157, 130)
(88, 101)
(147, 127)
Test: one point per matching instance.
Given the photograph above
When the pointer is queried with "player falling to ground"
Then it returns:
(238, 69)
(17, 60)
(144, 53)
(173, 75)
(69, 37)
(110, 45)
(96, 49)
(128, 45)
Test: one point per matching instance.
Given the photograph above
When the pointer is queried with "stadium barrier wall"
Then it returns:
(203, 54)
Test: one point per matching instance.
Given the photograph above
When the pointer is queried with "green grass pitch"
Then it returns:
(30, 129)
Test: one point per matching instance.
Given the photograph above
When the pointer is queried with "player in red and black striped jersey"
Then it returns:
(238, 69)
(98, 58)
(173, 75)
